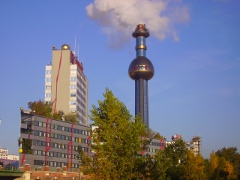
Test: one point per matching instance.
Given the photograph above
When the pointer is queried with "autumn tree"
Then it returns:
(232, 156)
(116, 141)
(194, 167)
(219, 168)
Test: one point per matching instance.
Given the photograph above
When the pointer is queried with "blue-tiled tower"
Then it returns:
(141, 70)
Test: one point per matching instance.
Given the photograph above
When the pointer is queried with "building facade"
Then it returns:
(196, 145)
(66, 86)
(3, 153)
(8, 160)
(48, 142)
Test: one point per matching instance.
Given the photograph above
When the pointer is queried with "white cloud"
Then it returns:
(119, 18)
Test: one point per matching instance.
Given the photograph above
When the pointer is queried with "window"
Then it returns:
(73, 72)
(140, 67)
(48, 80)
(47, 87)
(76, 131)
(73, 79)
(48, 95)
(48, 71)
(72, 103)
(73, 87)
(73, 109)
(73, 95)
(36, 133)
(54, 126)
(35, 152)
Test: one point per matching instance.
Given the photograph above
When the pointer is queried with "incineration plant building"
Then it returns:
(66, 86)
(141, 70)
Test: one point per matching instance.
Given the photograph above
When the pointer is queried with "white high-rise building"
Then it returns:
(66, 86)
(3, 153)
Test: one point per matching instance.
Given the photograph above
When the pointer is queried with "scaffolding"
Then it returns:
(196, 145)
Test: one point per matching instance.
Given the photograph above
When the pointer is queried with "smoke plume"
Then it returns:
(118, 18)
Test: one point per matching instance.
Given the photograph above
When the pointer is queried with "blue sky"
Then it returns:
(194, 47)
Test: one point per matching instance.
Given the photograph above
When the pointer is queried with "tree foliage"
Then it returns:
(193, 168)
(232, 156)
(219, 168)
(27, 146)
(71, 117)
(175, 155)
(116, 141)
(45, 109)
(40, 108)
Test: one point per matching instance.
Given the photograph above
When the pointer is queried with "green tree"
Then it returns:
(116, 141)
(150, 133)
(71, 117)
(156, 167)
(44, 109)
(27, 146)
(175, 156)
(158, 136)
(40, 108)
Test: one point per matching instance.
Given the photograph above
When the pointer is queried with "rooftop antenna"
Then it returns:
(78, 53)
(75, 45)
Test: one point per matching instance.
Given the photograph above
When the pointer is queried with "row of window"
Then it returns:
(62, 128)
(71, 72)
(161, 144)
(57, 154)
(54, 164)
(57, 145)
(140, 67)
(152, 150)
(60, 136)
(50, 95)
